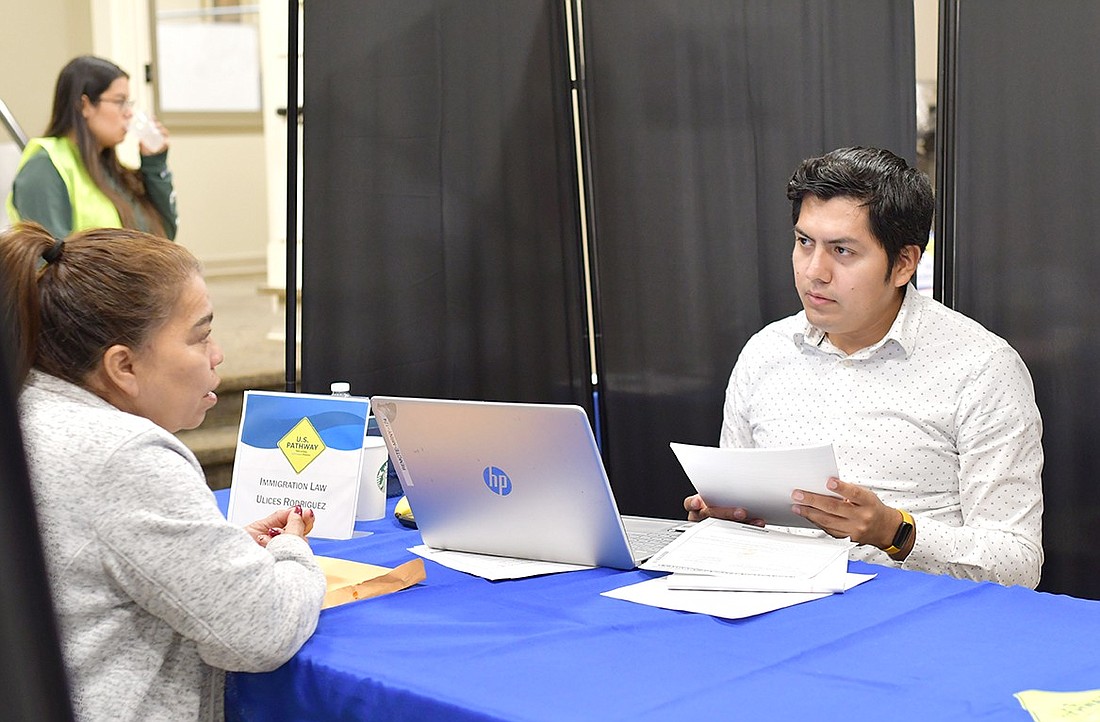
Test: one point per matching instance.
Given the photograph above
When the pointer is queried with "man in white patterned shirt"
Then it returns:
(932, 417)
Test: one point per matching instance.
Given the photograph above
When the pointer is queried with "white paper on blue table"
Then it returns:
(725, 555)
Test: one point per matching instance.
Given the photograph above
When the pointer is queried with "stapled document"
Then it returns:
(719, 554)
(833, 578)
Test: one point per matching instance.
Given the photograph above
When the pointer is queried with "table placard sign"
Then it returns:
(299, 449)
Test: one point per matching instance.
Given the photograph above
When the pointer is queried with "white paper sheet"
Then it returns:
(727, 605)
(830, 579)
(758, 480)
(491, 567)
(717, 546)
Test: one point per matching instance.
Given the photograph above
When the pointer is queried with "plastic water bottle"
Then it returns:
(340, 388)
(147, 132)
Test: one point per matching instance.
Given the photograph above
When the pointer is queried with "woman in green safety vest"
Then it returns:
(71, 179)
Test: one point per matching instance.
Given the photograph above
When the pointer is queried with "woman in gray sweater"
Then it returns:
(156, 593)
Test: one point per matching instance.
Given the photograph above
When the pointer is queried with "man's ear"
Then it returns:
(118, 369)
(905, 267)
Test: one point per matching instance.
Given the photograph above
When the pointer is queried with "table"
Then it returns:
(905, 645)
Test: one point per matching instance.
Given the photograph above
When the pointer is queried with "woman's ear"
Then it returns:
(85, 106)
(118, 371)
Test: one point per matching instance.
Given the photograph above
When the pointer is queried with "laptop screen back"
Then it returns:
(517, 480)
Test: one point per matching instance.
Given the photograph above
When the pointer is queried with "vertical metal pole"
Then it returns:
(574, 16)
(292, 199)
(943, 285)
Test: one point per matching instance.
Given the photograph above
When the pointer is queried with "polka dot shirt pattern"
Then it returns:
(938, 418)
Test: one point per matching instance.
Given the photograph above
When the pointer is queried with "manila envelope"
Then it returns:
(349, 581)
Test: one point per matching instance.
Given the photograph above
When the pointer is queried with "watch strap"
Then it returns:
(905, 529)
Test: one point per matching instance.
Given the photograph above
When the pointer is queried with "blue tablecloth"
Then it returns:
(905, 645)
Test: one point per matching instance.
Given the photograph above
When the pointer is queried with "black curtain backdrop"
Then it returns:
(698, 113)
(32, 679)
(440, 214)
(442, 240)
(1026, 142)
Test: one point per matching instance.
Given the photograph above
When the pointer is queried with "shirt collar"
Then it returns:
(903, 331)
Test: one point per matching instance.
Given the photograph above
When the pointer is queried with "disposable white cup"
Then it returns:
(146, 131)
(372, 480)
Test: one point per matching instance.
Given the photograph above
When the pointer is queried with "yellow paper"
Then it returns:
(350, 581)
(1059, 706)
(341, 572)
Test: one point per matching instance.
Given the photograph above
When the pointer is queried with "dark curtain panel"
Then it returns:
(32, 678)
(698, 112)
(1027, 142)
(440, 216)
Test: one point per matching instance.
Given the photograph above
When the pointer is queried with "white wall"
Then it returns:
(221, 181)
(926, 16)
(39, 37)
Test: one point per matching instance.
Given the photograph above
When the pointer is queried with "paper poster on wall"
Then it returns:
(208, 67)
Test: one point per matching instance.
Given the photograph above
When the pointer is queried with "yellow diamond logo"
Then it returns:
(301, 445)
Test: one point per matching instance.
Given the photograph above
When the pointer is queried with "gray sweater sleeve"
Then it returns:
(167, 545)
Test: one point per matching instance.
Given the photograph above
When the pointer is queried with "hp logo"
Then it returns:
(497, 481)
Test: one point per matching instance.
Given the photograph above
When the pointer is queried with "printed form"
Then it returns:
(725, 555)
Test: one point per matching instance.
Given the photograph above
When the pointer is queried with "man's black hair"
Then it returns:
(898, 197)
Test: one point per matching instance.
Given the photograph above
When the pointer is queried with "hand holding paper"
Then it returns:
(758, 480)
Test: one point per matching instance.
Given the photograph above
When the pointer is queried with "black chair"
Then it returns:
(33, 686)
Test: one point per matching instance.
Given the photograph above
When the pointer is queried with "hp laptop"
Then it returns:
(511, 479)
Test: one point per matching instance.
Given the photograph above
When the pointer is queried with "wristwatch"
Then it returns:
(901, 536)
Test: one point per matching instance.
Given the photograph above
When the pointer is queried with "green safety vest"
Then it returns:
(91, 207)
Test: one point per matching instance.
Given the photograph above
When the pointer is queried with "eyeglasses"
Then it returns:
(122, 103)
